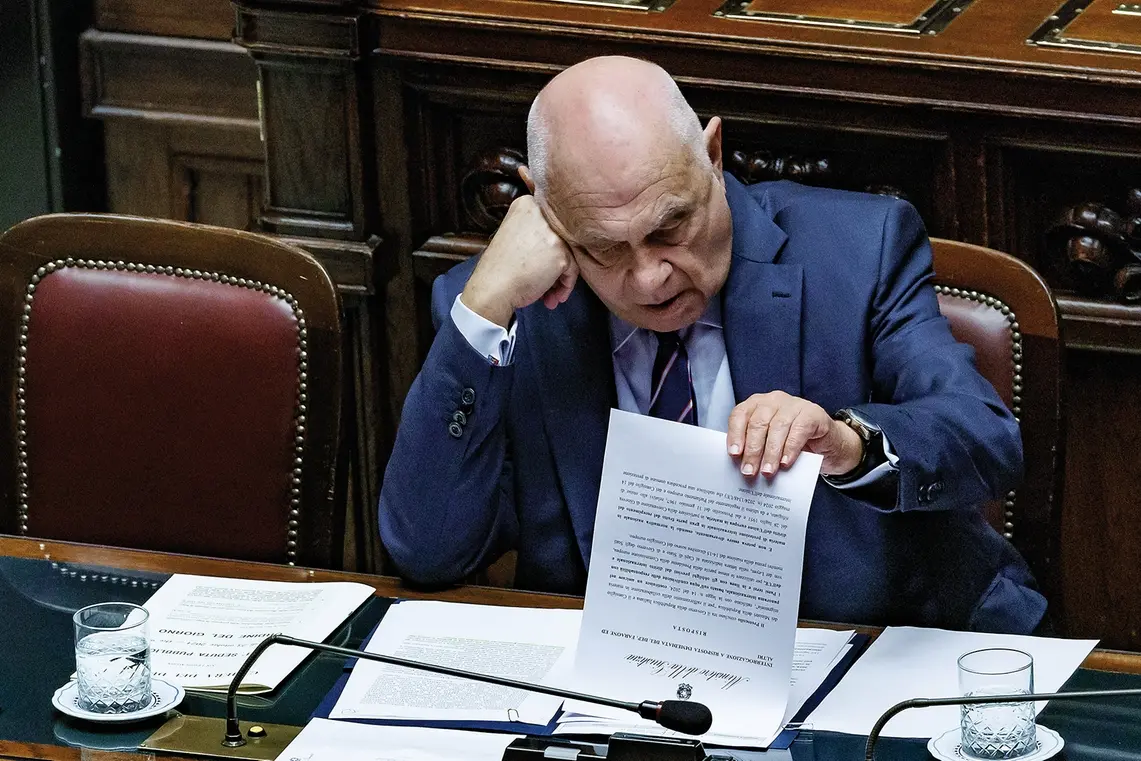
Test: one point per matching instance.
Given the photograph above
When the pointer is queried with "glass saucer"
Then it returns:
(949, 746)
(165, 696)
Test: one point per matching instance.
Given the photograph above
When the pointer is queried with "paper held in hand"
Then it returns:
(694, 582)
(202, 628)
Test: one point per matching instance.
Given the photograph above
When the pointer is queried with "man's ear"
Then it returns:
(712, 134)
(527, 180)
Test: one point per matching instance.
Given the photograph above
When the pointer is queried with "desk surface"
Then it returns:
(41, 583)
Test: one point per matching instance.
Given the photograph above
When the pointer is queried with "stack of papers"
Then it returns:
(202, 628)
(324, 740)
(817, 653)
(906, 662)
(527, 644)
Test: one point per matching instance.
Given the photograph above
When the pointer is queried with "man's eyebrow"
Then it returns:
(594, 240)
(672, 213)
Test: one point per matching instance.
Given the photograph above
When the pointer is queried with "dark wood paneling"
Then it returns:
(1101, 554)
(307, 181)
(207, 19)
(217, 191)
(194, 173)
(168, 79)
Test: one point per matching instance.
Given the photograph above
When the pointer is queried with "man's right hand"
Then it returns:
(525, 261)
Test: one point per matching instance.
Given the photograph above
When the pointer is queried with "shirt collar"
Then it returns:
(621, 331)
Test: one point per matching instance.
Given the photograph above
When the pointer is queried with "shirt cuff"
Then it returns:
(492, 341)
(879, 471)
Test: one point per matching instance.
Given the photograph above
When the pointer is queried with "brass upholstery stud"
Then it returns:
(1016, 376)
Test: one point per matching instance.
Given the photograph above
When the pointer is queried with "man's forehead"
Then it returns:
(602, 224)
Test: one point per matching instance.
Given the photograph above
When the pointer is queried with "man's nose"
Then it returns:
(651, 271)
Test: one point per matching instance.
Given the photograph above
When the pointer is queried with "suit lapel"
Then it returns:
(570, 347)
(761, 302)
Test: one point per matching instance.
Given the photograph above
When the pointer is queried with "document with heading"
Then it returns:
(202, 627)
(695, 571)
(526, 644)
(324, 740)
(817, 653)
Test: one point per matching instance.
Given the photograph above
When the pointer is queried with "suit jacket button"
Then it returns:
(456, 430)
(459, 417)
(467, 397)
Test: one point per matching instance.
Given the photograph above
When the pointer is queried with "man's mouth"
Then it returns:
(663, 305)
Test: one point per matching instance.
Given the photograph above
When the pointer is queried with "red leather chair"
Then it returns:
(170, 387)
(1005, 310)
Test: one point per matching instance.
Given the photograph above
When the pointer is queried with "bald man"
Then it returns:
(639, 276)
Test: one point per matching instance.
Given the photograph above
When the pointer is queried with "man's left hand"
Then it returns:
(769, 431)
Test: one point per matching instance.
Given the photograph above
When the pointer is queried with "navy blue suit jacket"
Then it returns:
(828, 298)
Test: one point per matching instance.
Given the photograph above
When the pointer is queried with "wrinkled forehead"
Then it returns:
(616, 201)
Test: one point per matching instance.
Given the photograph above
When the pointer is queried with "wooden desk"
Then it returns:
(130, 560)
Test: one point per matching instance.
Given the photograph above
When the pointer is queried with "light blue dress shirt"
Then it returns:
(634, 352)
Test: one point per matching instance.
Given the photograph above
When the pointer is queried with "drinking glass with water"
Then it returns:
(112, 658)
(997, 730)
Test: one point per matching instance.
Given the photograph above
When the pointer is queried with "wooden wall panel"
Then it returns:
(1101, 554)
(207, 19)
(310, 180)
(169, 79)
(196, 174)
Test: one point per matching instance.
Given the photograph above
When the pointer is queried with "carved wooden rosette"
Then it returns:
(762, 166)
(489, 185)
(491, 181)
(1102, 248)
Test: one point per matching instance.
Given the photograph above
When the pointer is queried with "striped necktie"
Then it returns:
(672, 397)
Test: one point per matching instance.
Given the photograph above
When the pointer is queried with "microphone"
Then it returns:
(678, 715)
(889, 714)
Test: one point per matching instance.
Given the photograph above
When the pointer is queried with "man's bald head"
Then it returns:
(603, 116)
(627, 178)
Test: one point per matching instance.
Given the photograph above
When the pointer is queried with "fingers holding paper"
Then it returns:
(767, 432)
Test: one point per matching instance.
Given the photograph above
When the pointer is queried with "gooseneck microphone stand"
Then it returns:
(679, 715)
(889, 714)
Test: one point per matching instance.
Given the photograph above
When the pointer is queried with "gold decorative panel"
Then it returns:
(893, 16)
(630, 5)
(1108, 26)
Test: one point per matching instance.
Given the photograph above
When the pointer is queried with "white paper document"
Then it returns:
(817, 652)
(202, 628)
(526, 644)
(324, 740)
(906, 662)
(694, 582)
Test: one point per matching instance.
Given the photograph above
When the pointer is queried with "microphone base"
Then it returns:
(200, 736)
(623, 746)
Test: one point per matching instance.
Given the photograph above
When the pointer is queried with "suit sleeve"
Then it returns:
(958, 444)
(446, 505)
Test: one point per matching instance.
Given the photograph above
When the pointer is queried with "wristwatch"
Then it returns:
(873, 455)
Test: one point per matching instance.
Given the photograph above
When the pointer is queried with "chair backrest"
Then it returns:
(169, 386)
(1004, 309)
